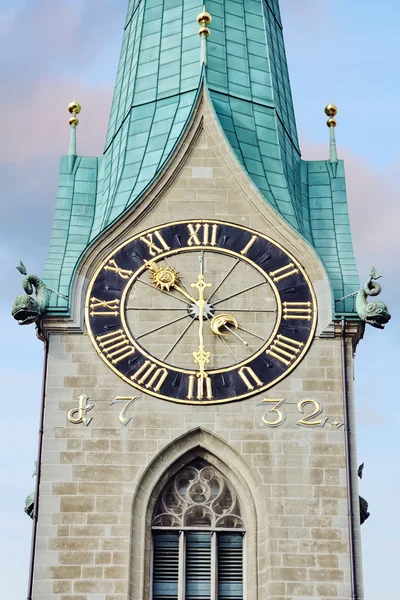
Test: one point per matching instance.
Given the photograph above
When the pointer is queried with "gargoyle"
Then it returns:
(27, 310)
(364, 514)
(30, 500)
(374, 313)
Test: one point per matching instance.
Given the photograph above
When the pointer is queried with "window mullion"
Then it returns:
(182, 563)
(214, 566)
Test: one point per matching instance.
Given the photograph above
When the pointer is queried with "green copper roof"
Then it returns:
(158, 79)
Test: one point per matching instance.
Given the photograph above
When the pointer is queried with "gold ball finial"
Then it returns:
(204, 19)
(74, 107)
(331, 110)
(204, 31)
(331, 122)
(74, 121)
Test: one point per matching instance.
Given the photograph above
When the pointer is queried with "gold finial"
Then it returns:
(331, 110)
(74, 107)
(204, 31)
(204, 18)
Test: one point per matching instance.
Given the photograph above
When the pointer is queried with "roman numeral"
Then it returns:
(202, 234)
(247, 374)
(112, 266)
(283, 272)
(152, 246)
(297, 310)
(150, 373)
(203, 387)
(285, 349)
(115, 345)
(96, 305)
(249, 245)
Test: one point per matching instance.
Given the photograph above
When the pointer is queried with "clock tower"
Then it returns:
(198, 415)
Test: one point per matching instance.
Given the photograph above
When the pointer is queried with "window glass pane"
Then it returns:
(198, 566)
(166, 566)
(230, 566)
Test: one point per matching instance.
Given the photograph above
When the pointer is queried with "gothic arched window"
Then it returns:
(197, 537)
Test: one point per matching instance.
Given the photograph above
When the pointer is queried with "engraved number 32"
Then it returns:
(280, 415)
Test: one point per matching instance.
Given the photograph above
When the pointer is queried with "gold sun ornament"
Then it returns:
(163, 277)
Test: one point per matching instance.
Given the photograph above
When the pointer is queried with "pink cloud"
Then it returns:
(48, 48)
(37, 121)
(47, 36)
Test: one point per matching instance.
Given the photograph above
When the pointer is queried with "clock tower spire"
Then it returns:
(246, 79)
(203, 311)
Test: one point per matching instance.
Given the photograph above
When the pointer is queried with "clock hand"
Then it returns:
(223, 340)
(163, 291)
(201, 259)
(222, 320)
(165, 278)
(201, 357)
(251, 333)
(238, 336)
(225, 320)
(186, 294)
(171, 267)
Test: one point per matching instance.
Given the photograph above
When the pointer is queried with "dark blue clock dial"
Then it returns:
(149, 254)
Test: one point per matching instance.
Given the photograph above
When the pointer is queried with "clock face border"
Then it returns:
(279, 352)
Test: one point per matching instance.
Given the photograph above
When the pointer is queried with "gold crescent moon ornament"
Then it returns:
(219, 321)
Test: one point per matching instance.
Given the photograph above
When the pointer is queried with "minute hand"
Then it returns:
(186, 294)
(201, 357)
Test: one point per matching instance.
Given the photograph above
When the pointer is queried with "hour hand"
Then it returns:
(164, 277)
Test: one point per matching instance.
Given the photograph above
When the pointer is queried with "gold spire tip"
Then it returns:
(74, 107)
(204, 18)
(331, 110)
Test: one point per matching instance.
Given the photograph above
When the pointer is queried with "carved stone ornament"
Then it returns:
(364, 514)
(26, 309)
(198, 496)
(374, 313)
(30, 500)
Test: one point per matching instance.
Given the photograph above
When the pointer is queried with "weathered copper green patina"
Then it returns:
(374, 313)
(246, 81)
(27, 310)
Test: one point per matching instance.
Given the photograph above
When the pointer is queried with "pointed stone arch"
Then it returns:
(197, 442)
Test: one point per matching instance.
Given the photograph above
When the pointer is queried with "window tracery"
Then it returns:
(198, 496)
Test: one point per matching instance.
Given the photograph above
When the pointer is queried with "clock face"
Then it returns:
(201, 312)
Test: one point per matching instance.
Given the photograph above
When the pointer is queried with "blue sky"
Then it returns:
(344, 52)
